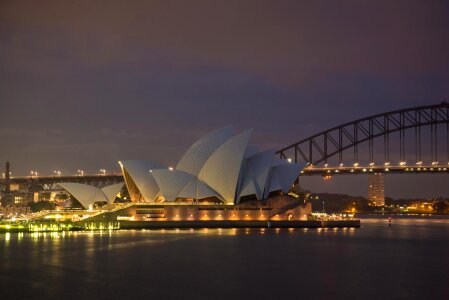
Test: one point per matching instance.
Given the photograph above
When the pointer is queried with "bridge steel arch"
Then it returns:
(336, 140)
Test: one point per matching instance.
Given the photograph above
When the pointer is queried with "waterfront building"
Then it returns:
(221, 167)
(221, 177)
(88, 195)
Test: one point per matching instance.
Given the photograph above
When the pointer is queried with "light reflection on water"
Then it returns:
(403, 223)
(318, 263)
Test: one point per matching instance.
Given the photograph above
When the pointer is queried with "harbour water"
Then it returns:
(408, 260)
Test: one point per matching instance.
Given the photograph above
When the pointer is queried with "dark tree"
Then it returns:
(41, 205)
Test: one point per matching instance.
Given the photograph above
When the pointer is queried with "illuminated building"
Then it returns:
(376, 189)
(220, 178)
(88, 195)
(219, 168)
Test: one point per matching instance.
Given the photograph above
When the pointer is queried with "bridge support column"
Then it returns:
(376, 188)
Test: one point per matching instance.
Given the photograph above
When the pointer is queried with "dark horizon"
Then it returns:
(85, 84)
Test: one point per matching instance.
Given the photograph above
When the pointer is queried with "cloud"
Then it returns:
(85, 82)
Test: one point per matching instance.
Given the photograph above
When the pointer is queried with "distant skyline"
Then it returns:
(84, 84)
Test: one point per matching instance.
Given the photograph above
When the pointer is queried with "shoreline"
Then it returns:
(400, 214)
(128, 225)
(239, 224)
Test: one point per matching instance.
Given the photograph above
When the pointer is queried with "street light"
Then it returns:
(103, 172)
(80, 173)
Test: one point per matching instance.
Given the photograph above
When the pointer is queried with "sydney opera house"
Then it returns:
(220, 177)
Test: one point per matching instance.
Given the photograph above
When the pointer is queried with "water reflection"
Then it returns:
(401, 228)
(150, 263)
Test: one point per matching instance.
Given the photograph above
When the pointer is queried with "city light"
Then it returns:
(298, 216)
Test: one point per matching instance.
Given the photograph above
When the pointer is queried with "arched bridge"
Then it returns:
(418, 137)
(50, 183)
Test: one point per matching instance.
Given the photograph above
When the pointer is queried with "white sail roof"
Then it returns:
(87, 194)
(111, 191)
(288, 174)
(273, 184)
(194, 159)
(282, 176)
(255, 173)
(178, 184)
(251, 150)
(220, 164)
(171, 182)
(139, 171)
(221, 171)
(197, 189)
(248, 188)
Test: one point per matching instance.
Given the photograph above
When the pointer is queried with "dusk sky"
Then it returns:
(84, 84)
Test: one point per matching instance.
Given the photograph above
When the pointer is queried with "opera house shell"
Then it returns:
(88, 195)
(220, 168)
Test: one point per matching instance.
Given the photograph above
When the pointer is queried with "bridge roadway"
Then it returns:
(308, 171)
(71, 178)
(388, 169)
